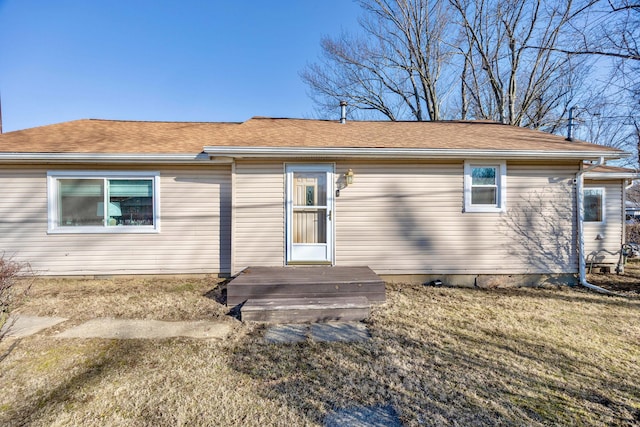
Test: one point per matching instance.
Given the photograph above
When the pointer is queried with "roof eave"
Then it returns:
(111, 158)
(408, 153)
(601, 176)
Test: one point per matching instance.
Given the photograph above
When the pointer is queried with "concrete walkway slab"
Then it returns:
(281, 334)
(339, 332)
(20, 326)
(146, 329)
(364, 416)
(319, 332)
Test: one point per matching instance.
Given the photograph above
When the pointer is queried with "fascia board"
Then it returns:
(399, 153)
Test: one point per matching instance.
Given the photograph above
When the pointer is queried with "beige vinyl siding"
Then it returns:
(258, 228)
(194, 237)
(607, 249)
(408, 219)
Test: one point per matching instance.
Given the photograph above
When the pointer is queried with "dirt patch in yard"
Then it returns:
(171, 299)
(628, 283)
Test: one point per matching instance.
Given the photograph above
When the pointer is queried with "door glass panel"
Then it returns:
(309, 220)
(309, 226)
(309, 189)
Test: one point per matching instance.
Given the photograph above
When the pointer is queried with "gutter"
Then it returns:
(628, 176)
(406, 153)
(123, 158)
(225, 155)
(582, 261)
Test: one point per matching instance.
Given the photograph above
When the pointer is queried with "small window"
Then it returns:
(484, 186)
(88, 202)
(594, 204)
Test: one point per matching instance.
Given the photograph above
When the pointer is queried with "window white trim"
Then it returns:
(603, 204)
(53, 208)
(501, 184)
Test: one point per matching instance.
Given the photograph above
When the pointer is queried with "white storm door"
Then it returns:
(309, 206)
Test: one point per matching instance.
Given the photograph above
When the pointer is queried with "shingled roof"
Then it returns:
(91, 136)
(604, 172)
(115, 136)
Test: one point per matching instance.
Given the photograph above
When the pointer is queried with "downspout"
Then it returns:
(582, 262)
(232, 233)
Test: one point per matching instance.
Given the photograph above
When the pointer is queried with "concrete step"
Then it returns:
(302, 310)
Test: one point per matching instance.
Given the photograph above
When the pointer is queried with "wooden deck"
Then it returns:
(305, 282)
(299, 310)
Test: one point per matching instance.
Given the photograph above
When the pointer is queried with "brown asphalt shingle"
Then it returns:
(123, 137)
(115, 136)
(610, 169)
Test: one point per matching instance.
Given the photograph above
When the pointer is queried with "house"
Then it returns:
(465, 202)
(632, 210)
(605, 214)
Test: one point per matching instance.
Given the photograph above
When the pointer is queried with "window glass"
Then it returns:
(78, 201)
(483, 176)
(483, 196)
(593, 204)
(130, 202)
(484, 186)
(83, 202)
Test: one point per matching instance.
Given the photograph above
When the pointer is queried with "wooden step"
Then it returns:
(301, 310)
(305, 282)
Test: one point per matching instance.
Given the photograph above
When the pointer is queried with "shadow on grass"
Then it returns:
(578, 294)
(7, 352)
(444, 373)
(112, 355)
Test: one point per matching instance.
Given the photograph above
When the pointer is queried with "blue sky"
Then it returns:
(181, 60)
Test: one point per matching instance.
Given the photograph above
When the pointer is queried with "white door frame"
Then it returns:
(304, 253)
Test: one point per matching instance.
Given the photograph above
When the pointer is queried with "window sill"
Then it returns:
(487, 209)
(104, 230)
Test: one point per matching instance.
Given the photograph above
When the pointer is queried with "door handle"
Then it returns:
(330, 215)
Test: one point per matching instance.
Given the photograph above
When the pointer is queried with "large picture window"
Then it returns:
(485, 186)
(594, 204)
(103, 202)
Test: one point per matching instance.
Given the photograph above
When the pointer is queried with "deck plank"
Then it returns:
(305, 282)
(296, 310)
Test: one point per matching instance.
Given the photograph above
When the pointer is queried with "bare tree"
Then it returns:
(623, 40)
(503, 78)
(610, 28)
(519, 62)
(411, 53)
(393, 68)
(608, 33)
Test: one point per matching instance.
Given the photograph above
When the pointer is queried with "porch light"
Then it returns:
(348, 177)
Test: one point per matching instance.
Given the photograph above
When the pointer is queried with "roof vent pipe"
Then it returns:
(343, 112)
(570, 124)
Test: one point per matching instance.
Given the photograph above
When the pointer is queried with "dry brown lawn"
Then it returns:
(440, 356)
